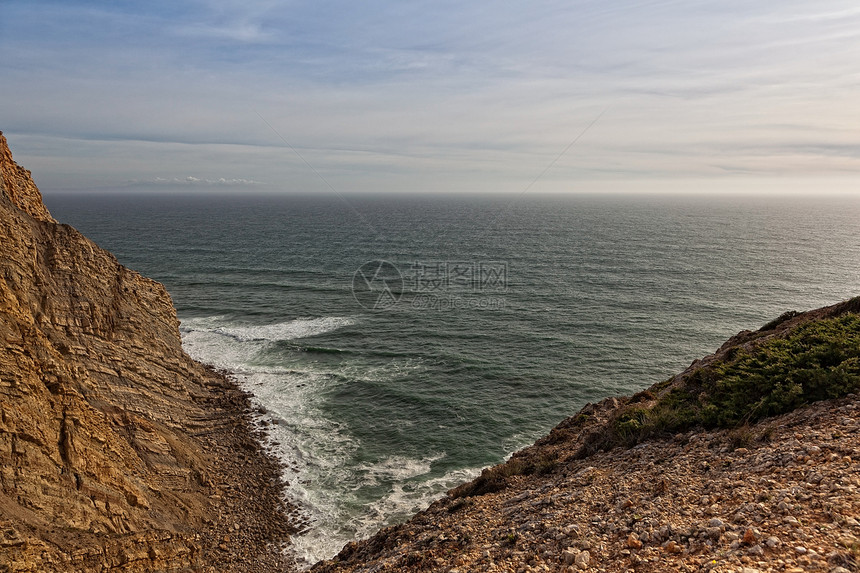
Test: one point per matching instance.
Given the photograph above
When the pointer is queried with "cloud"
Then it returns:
(239, 32)
(191, 180)
(384, 95)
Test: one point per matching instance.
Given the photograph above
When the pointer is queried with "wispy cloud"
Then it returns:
(239, 32)
(406, 95)
(191, 180)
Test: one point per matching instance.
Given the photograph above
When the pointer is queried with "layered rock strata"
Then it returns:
(117, 451)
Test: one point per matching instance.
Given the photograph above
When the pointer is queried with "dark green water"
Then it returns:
(509, 316)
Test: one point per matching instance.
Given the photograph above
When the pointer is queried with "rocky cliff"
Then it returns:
(745, 462)
(117, 451)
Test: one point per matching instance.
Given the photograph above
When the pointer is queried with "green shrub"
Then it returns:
(815, 361)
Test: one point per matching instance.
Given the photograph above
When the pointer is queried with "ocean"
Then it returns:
(400, 344)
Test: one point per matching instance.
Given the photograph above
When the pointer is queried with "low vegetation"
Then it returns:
(496, 478)
(767, 374)
(817, 360)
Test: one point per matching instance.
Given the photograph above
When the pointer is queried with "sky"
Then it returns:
(412, 96)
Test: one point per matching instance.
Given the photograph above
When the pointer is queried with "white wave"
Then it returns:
(219, 351)
(217, 341)
(405, 497)
(397, 468)
(290, 330)
(340, 501)
(299, 328)
(317, 451)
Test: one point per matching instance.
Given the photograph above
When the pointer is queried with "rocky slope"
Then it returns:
(736, 464)
(117, 451)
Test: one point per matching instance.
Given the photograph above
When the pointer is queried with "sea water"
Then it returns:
(399, 344)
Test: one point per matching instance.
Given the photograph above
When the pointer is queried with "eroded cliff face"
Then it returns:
(116, 448)
(18, 186)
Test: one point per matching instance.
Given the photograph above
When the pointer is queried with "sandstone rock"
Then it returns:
(18, 187)
(672, 547)
(569, 555)
(109, 429)
(103, 462)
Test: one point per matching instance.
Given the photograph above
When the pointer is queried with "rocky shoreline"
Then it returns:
(117, 451)
(120, 453)
(249, 523)
(783, 496)
(653, 483)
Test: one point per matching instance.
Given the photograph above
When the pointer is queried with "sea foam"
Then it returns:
(321, 476)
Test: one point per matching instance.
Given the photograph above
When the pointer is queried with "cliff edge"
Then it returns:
(117, 451)
(747, 461)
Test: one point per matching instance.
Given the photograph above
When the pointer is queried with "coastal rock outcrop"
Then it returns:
(120, 453)
(117, 451)
(745, 462)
